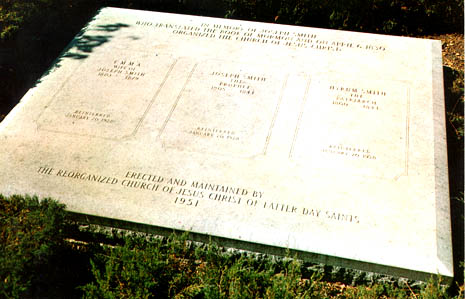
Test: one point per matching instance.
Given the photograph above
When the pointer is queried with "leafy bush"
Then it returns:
(140, 268)
(31, 233)
(145, 267)
(38, 260)
(174, 268)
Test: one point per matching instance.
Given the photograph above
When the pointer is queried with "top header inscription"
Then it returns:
(250, 34)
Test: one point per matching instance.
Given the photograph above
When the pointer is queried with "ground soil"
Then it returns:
(452, 49)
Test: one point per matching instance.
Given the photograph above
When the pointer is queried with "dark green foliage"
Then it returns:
(171, 267)
(31, 233)
(386, 16)
(174, 268)
(238, 275)
(141, 268)
(38, 260)
(13, 13)
(453, 90)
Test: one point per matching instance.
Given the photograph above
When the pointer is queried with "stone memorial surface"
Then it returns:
(325, 142)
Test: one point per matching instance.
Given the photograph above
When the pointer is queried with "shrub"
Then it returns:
(141, 268)
(31, 234)
(174, 268)
(37, 261)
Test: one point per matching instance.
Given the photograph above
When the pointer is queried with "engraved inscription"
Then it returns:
(96, 99)
(189, 194)
(350, 95)
(90, 115)
(122, 68)
(355, 126)
(243, 83)
(349, 151)
(213, 112)
(214, 133)
(262, 36)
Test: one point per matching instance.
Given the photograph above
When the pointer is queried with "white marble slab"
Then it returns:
(326, 142)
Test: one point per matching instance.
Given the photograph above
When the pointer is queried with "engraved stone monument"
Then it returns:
(329, 143)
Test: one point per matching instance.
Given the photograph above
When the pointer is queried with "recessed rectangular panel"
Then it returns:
(355, 126)
(95, 99)
(214, 112)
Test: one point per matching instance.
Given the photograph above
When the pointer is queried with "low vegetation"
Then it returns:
(386, 16)
(45, 254)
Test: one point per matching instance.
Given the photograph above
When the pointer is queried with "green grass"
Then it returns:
(42, 253)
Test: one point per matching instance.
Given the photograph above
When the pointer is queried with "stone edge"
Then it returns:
(261, 248)
(441, 180)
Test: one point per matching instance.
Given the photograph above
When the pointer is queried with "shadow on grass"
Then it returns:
(455, 146)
